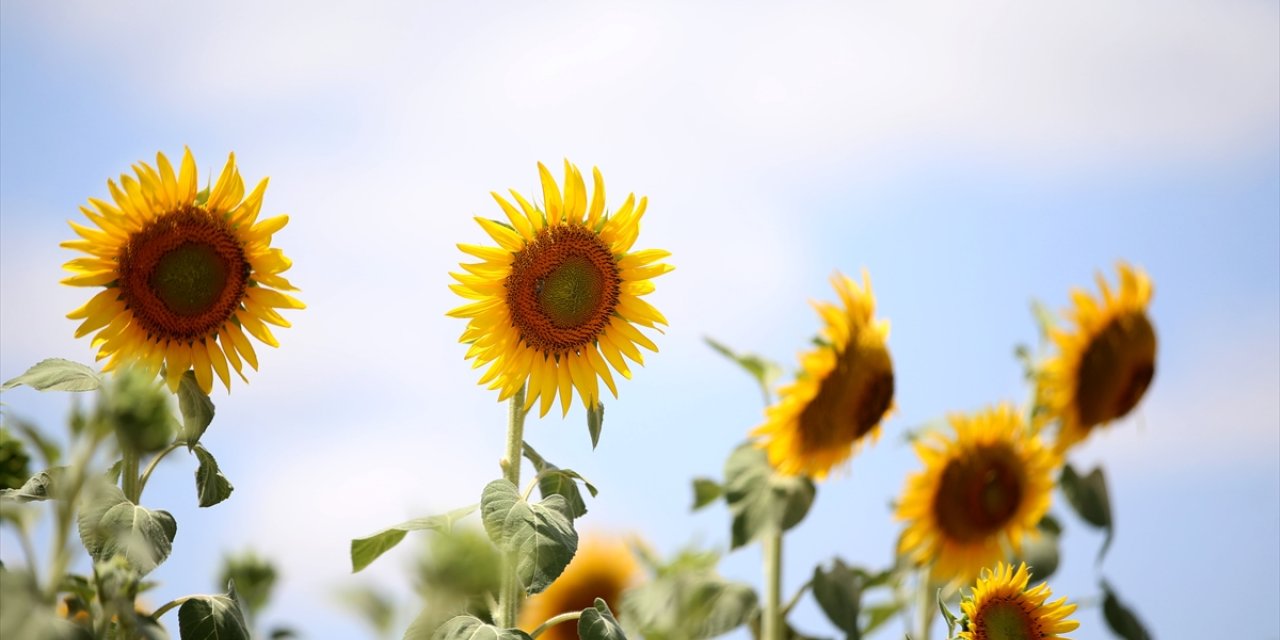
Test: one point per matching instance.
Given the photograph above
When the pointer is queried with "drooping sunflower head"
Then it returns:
(843, 391)
(602, 568)
(987, 487)
(1105, 362)
(558, 300)
(1001, 607)
(184, 275)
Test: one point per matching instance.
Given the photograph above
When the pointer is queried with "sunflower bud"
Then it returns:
(135, 405)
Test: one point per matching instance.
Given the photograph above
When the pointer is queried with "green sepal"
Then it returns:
(539, 537)
(57, 374)
(196, 407)
(761, 499)
(595, 423)
(1088, 496)
(213, 618)
(365, 550)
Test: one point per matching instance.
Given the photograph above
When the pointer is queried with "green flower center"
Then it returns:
(189, 278)
(563, 288)
(1004, 620)
(572, 292)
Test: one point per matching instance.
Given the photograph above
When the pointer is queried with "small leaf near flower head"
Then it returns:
(197, 409)
(57, 374)
(595, 423)
(1088, 497)
(553, 480)
(211, 486)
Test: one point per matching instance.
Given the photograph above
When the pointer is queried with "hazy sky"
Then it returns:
(970, 158)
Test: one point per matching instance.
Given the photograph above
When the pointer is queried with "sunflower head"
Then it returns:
(602, 568)
(557, 302)
(1105, 362)
(1001, 607)
(988, 486)
(182, 276)
(843, 391)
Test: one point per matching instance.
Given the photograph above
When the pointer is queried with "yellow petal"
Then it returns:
(550, 195)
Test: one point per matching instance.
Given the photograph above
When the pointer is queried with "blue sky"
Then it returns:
(969, 159)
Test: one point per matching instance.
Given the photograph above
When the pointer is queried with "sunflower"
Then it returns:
(989, 485)
(1003, 608)
(183, 275)
(844, 389)
(1105, 365)
(602, 568)
(558, 300)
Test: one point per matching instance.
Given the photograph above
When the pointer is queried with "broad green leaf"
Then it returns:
(211, 486)
(687, 599)
(39, 487)
(213, 618)
(109, 525)
(764, 372)
(705, 491)
(365, 550)
(57, 374)
(1120, 618)
(196, 407)
(553, 480)
(595, 423)
(1088, 496)
(761, 499)
(598, 623)
(838, 591)
(539, 536)
(467, 628)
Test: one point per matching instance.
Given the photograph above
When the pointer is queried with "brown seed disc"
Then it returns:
(563, 289)
(850, 401)
(183, 275)
(1115, 369)
(979, 493)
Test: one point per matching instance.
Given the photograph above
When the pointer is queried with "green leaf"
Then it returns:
(595, 423)
(1120, 618)
(687, 599)
(705, 491)
(213, 618)
(110, 525)
(553, 480)
(879, 614)
(765, 372)
(365, 550)
(211, 486)
(947, 616)
(48, 449)
(1040, 552)
(57, 374)
(467, 628)
(761, 499)
(196, 407)
(38, 487)
(598, 623)
(1088, 496)
(839, 593)
(539, 536)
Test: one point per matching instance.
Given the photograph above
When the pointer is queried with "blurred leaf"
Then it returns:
(947, 616)
(1120, 618)
(211, 486)
(38, 487)
(764, 372)
(687, 599)
(281, 633)
(365, 550)
(839, 593)
(56, 374)
(254, 577)
(1046, 320)
(15, 463)
(788, 632)
(705, 491)
(540, 536)
(196, 407)
(1088, 496)
(213, 618)
(1041, 552)
(373, 606)
(553, 480)
(25, 614)
(761, 499)
(879, 614)
(465, 628)
(598, 623)
(48, 449)
(109, 525)
(595, 423)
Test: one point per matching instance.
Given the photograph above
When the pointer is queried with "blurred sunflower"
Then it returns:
(557, 301)
(1106, 363)
(843, 391)
(989, 485)
(1003, 608)
(602, 568)
(184, 275)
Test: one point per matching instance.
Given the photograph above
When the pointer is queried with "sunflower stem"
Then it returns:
(927, 605)
(771, 618)
(129, 474)
(564, 617)
(509, 596)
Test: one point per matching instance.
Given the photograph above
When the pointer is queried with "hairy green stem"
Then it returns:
(564, 617)
(129, 475)
(771, 619)
(151, 466)
(164, 608)
(509, 596)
